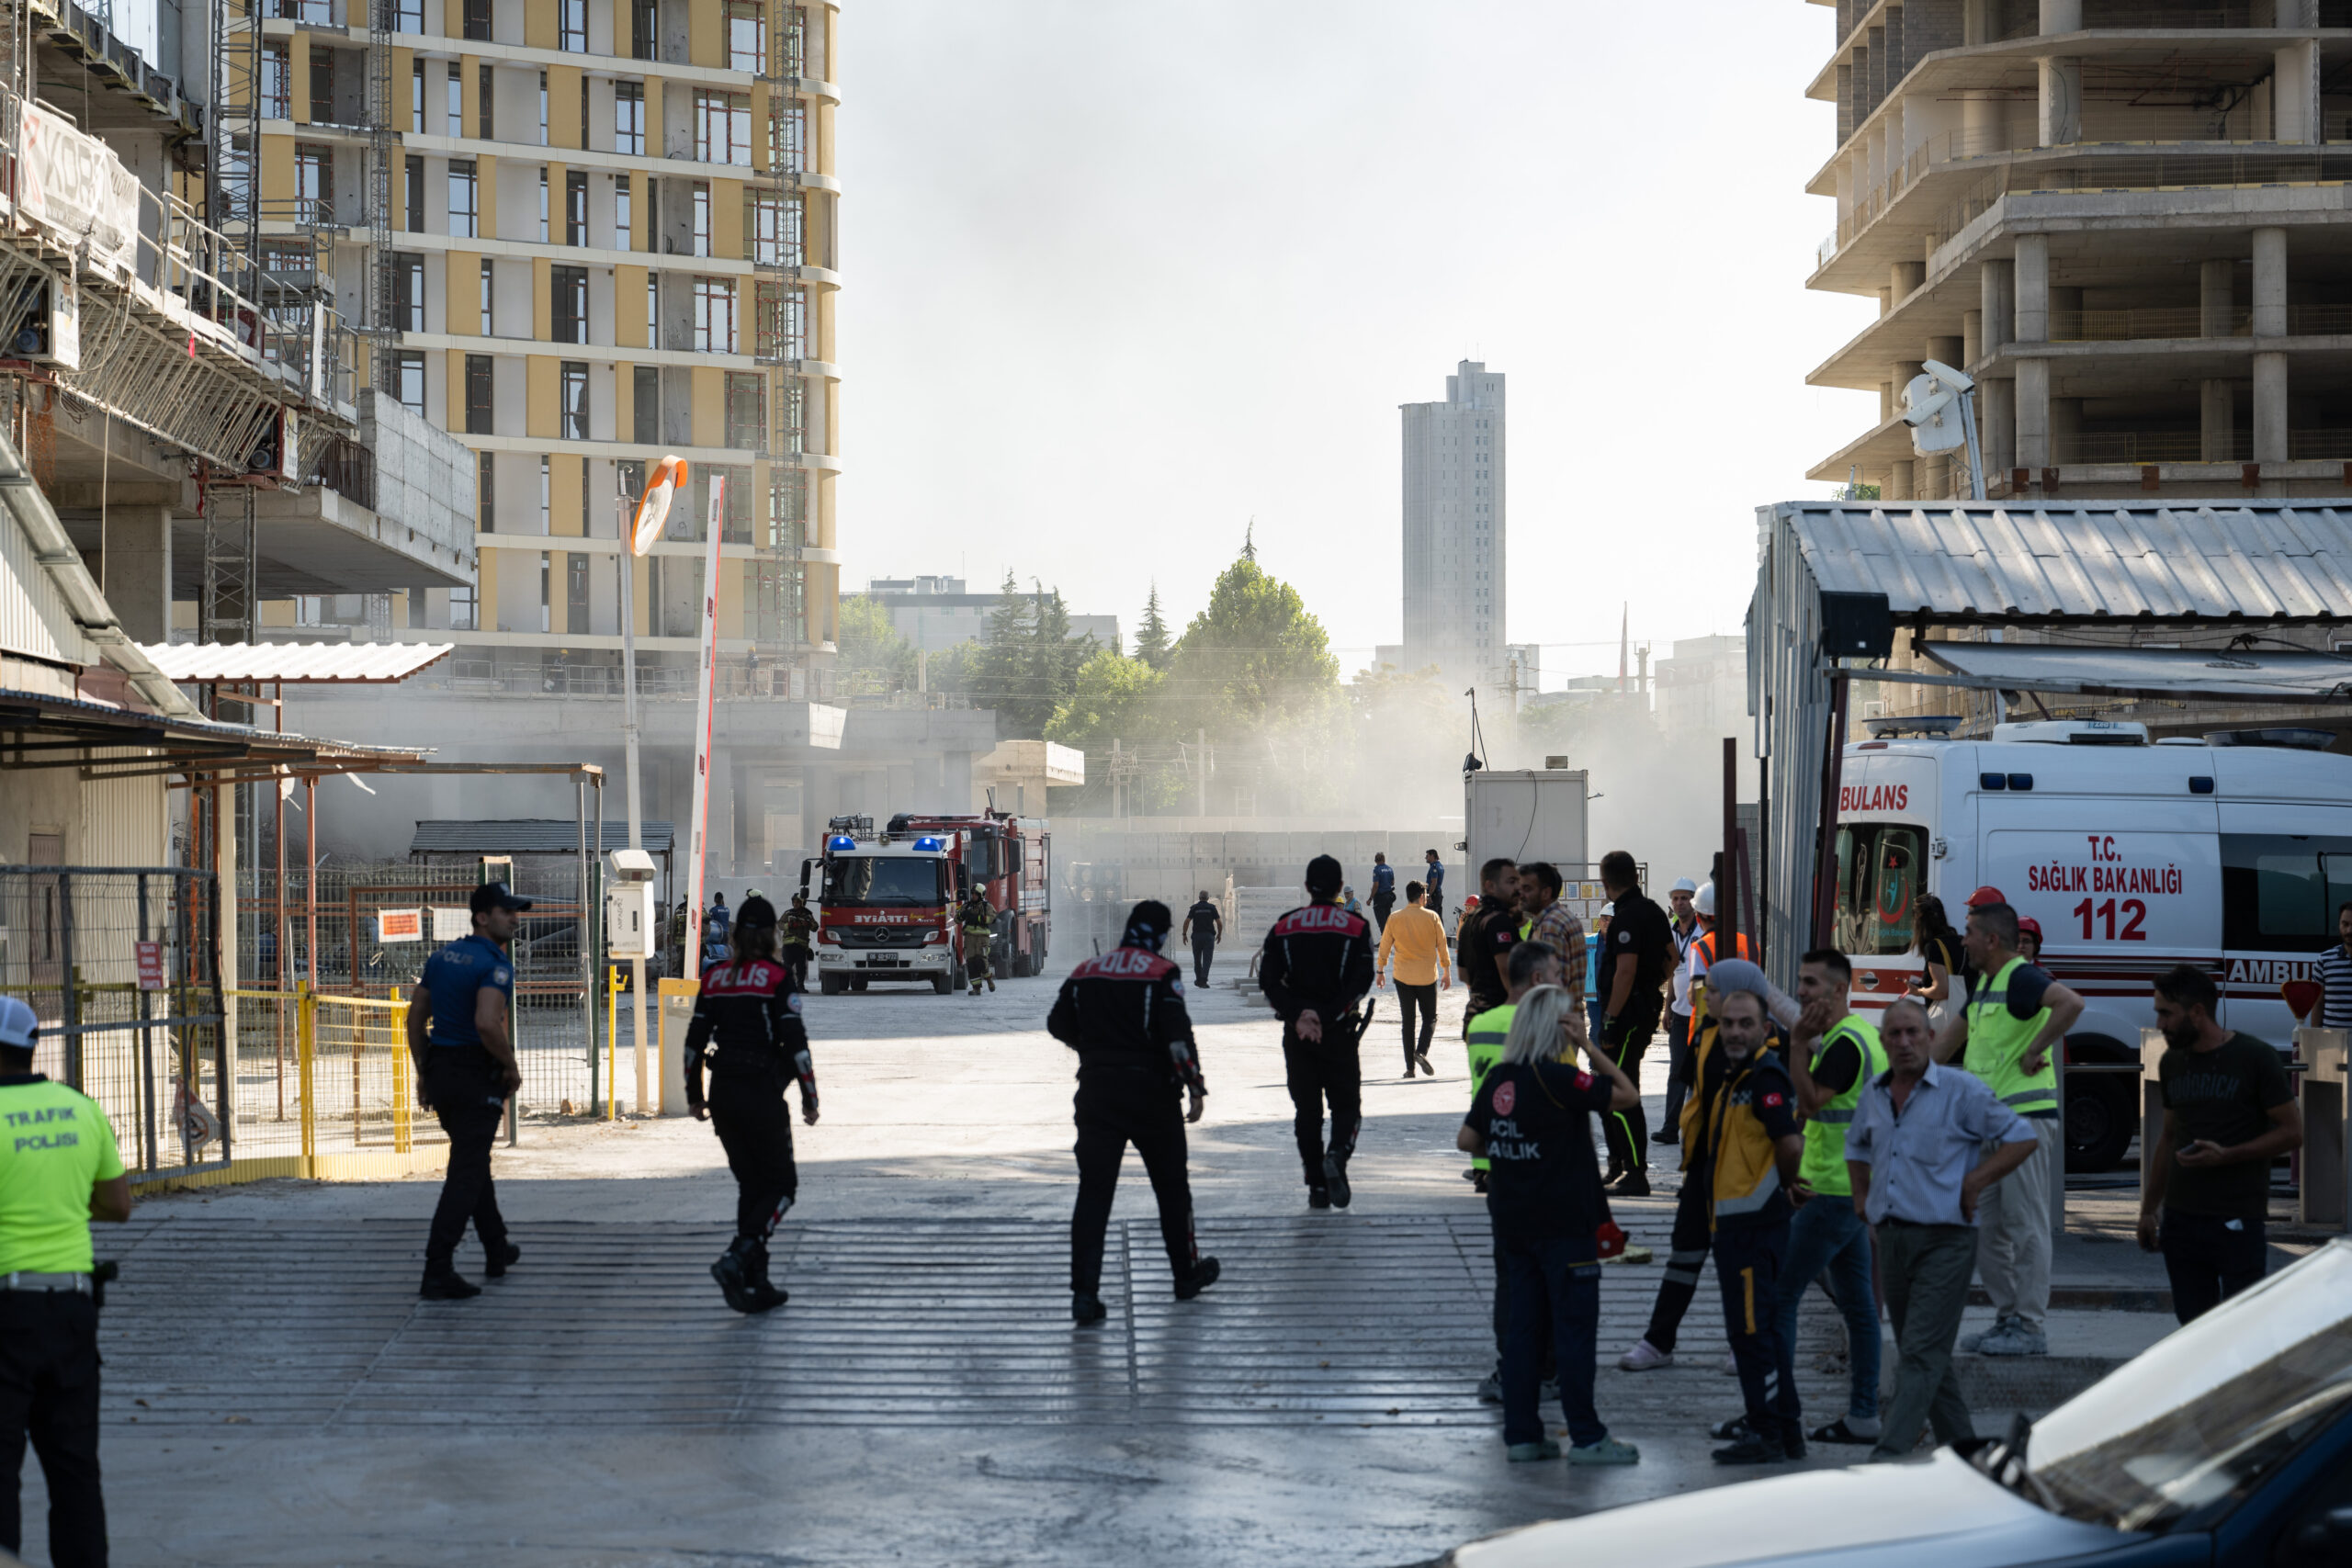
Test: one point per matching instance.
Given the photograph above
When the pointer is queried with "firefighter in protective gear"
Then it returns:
(1317, 964)
(747, 1023)
(1123, 1012)
(978, 922)
(798, 930)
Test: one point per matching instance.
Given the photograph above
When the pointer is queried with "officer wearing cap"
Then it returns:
(1315, 966)
(1123, 1012)
(460, 1034)
(58, 1170)
(751, 1005)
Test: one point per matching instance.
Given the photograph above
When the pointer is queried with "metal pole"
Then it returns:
(587, 943)
(628, 744)
(1975, 456)
(146, 1044)
(1727, 889)
(1833, 768)
(72, 983)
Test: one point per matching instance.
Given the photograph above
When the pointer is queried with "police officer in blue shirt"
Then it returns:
(460, 1034)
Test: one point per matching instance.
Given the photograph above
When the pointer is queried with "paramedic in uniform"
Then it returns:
(1317, 964)
(1123, 1012)
(460, 1034)
(752, 1005)
(58, 1170)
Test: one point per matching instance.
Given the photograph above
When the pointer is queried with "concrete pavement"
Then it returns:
(275, 1393)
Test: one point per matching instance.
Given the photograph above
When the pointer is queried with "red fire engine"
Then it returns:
(887, 901)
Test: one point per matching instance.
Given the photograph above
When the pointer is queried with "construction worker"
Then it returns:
(60, 1171)
(797, 931)
(979, 923)
(1203, 927)
(1754, 1151)
(1693, 1235)
(1123, 1012)
(1315, 966)
(1635, 964)
(460, 1034)
(752, 1005)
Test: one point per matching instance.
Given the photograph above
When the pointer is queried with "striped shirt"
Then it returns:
(2333, 971)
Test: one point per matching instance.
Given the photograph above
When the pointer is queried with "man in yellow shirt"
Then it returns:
(1417, 939)
(58, 1170)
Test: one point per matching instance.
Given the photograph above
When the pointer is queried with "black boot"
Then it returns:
(446, 1285)
(497, 1259)
(734, 1273)
(1086, 1311)
(1204, 1274)
(766, 1294)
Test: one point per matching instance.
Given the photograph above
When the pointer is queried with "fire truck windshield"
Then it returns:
(884, 880)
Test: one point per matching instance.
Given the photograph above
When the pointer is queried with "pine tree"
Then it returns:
(1153, 639)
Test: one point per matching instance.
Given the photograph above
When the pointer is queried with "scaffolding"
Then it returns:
(780, 317)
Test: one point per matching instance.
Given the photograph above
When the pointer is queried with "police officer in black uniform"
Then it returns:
(1204, 923)
(1123, 1012)
(461, 1035)
(1318, 964)
(752, 1005)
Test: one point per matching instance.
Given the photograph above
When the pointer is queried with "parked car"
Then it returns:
(2227, 1444)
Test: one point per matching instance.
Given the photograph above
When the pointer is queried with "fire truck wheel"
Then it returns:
(856, 984)
(830, 985)
(939, 985)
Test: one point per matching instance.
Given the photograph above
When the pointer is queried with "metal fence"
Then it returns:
(118, 962)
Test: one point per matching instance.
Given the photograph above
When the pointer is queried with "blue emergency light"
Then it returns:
(841, 842)
(932, 844)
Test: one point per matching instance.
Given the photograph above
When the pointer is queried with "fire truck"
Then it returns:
(887, 901)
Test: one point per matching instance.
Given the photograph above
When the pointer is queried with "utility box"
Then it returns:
(631, 928)
(1522, 815)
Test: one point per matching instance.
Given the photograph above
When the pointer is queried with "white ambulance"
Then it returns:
(2231, 852)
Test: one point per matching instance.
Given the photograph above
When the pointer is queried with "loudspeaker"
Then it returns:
(1856, 626)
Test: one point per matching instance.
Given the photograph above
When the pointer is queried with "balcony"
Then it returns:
(2162, 321)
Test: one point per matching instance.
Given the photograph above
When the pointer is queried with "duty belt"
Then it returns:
(77, 1284)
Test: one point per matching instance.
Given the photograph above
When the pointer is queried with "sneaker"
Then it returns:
(1203, 1276)
(447, 1287)
(1645, 1357)
(1086, 1311)
(1633, 1255)
(1634, 1184)
(2021, 1338)
(1752, 1450)
(1490, 1389)
(1318, 1198)
(1530, 1453)
(1423, 1058)
(1738, 1430)
(500, 1260)
(1609, 1451)
(1970, 1342)
(1335, 1177)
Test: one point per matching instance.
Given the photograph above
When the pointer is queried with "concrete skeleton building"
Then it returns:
(1454, 530)
(2123, 217)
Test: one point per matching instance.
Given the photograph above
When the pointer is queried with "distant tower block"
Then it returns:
(1454, 531)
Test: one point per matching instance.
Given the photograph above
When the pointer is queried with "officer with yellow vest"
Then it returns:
(58, 1170)
(2009, 1035)
(1836, 1054)
(1750, 1130)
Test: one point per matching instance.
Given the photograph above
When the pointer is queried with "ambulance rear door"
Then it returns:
(1887, 828)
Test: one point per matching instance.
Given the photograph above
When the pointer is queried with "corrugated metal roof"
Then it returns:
(1983, 560)
(529, 835)
(295, 663)
(2151, 672)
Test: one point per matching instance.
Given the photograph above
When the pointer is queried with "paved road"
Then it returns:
(276, 1394)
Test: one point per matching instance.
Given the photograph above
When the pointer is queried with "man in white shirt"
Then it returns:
(1685, 920)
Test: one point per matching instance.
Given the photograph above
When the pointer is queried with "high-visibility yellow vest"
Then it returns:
(1824, 1168)
(1484, 1037)
(1997, 1040)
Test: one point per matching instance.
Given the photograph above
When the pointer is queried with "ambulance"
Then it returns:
(2230, 852)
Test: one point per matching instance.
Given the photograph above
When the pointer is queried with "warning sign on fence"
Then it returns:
(151, 965)
(452, 925)
(399, 925)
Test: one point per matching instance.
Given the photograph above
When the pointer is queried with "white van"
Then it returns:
(2231, 852)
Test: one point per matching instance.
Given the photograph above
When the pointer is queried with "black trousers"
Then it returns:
(1316, 1074)
(470, 1099)
(1629, 1131)
(1686, 1257)
(1747, 1265)
(797, 958)
(1202, 953)
(49, 1389)
(747, 1111)
(1380, 907)
(1118, 1106)
(2207, 1261)
(1421, 999)
(1678, 1070)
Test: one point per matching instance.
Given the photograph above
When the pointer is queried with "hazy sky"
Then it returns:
(1120, 276)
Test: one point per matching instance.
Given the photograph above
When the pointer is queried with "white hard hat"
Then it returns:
(1683, 884)
(1704, 901)
(17, 1024)
(1608, 910)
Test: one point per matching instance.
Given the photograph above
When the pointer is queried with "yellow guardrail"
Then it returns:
(350, 1052)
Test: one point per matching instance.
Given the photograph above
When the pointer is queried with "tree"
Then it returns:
(1029, 663)
(868, 640)
(1152, 639)
(1254, 658)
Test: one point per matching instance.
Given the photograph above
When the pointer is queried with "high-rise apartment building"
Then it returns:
(1455, 529)
(2125, 217)
(607, 232)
